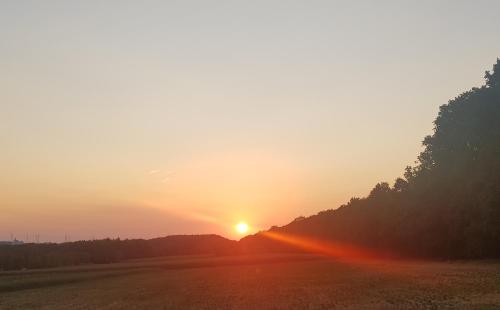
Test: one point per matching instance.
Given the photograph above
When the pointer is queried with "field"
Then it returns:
(256, 282)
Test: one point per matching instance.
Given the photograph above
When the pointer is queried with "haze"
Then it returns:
(143, 119)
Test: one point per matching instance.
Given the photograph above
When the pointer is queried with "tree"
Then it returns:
(448, 204)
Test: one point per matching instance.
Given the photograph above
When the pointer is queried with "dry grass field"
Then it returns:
(256, 282)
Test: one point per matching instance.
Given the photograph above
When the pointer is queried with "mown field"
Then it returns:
(256, 282)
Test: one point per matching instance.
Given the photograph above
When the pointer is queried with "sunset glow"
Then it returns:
(241, 228)
(328, 248)
(249, 154)
(165, 117)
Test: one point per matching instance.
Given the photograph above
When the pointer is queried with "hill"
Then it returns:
(446, 206)
(31, 255)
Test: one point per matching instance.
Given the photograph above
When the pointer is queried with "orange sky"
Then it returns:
(144, 119)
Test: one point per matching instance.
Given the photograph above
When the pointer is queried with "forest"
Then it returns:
(446, 206)
(46, 255)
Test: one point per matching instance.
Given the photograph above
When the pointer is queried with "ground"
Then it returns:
(257, 282)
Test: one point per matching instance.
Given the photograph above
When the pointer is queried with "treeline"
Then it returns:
(48, 255)
(446, 206)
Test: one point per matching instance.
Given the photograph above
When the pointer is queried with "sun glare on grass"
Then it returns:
(241, 228)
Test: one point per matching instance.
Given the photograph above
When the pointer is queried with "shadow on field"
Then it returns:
(27, 282)
(32, 279)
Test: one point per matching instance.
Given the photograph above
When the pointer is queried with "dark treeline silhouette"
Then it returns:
(446, 206)
(45, 255)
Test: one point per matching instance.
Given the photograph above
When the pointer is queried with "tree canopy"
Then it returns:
(448, 204)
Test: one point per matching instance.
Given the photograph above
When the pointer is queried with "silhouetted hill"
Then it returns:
(31, 255)
(447, 206)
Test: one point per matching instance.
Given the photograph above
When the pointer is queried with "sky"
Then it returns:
(138, 119)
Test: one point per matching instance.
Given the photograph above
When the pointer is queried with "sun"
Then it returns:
(241, 227)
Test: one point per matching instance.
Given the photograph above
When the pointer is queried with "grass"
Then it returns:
(256, 282)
